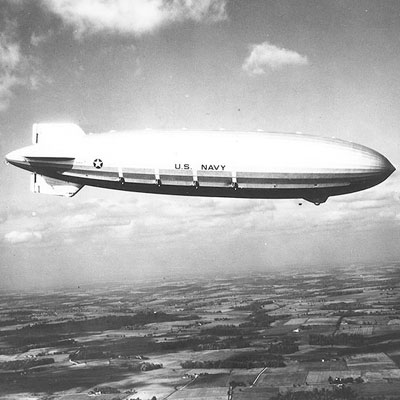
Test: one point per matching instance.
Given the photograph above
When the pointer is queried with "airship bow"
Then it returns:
(63, 159)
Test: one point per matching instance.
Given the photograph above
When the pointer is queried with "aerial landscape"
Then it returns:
(251, 249)
(260, 336)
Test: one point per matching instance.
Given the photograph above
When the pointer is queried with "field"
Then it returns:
(242, 337)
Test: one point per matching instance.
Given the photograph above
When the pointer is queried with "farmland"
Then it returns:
(258, 336)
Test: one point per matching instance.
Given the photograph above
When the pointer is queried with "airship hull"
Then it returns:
(217, 164)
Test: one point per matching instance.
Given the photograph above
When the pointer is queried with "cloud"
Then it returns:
(16, 237)
(133, 16)
(10, 55)
(10, 62)
(38, 39)
(7, 83)
(266, 56)
(16, 69)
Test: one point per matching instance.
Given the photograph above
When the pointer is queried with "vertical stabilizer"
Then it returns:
(45, 185)
(54, 132)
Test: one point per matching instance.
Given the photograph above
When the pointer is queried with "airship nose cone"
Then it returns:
(381, 167)
(374, 162)
(390, 168)
(385, 166)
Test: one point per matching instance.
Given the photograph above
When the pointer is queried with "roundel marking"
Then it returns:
(97, 163)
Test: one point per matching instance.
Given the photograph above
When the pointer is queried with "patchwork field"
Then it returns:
(243, 337)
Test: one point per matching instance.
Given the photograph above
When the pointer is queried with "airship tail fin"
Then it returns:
(45, 185)
(55, 132)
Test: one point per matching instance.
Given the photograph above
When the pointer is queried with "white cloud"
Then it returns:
(10, 61)
(16, 237)
(10, 55)
(16, 69)
(77, 221)
(7, 83)
(266, 56)
(38, 39)
(133, 16)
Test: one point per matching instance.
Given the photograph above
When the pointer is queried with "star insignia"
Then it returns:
(97, 163)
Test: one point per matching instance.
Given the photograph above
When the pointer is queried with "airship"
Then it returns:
(261, 165)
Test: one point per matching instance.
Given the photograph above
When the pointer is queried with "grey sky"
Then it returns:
(321, 67)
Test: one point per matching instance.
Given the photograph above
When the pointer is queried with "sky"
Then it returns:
(322, 67)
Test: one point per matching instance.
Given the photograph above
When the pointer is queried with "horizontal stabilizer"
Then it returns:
(45, 185)
(59, 163)
(48, 159)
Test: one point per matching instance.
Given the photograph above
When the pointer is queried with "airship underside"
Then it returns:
(213, 163)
